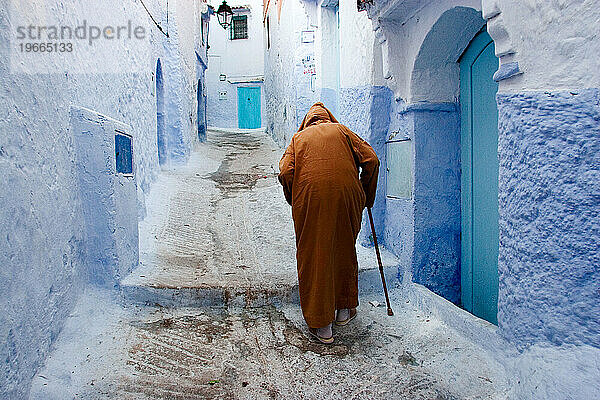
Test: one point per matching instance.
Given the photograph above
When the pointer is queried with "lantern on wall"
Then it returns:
(224, 15)
(361, 5)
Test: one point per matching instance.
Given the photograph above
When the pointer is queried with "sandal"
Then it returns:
(324, 340)
(351, 316)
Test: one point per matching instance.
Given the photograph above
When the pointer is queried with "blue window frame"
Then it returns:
(124, 153)
(239, 27)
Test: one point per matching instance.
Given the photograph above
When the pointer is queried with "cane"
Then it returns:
(387, 298)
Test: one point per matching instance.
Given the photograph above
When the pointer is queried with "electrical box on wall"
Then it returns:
(307, 36)
(399, 173)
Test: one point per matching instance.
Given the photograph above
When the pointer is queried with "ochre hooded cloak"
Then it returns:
(319, 173)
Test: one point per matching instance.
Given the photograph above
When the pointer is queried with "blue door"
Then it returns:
(479, 179)
(249, 107)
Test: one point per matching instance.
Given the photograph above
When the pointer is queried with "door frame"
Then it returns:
(473, 51)
(259, 104)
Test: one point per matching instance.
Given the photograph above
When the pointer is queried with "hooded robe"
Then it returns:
(319, 173)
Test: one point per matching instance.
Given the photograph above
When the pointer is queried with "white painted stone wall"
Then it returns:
(285, 80)
(239, 60)
(41, 262)
(342, 60)
(555, 42)
(401, 35)
(356, 46)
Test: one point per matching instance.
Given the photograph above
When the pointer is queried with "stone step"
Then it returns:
(228, 295)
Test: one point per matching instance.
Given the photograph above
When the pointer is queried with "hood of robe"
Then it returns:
(317, 114)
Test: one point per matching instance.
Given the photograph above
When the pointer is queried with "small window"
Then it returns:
(268, 34)
(124, 153)
(239, 27)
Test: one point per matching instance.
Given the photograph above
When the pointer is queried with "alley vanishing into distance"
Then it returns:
(212, 310)
(147, 250)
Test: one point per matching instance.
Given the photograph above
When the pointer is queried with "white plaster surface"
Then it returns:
(342, 58)
(241, 57)
(556, 42)
(404, 26)
(287, 88)
(356, 46)
(240, 60)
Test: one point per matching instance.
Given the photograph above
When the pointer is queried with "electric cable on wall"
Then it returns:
(160, 28)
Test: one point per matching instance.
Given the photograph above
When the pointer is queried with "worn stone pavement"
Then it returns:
(211, 312)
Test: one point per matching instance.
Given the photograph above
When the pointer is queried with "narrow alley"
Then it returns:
(201, 319)
(219, 231)
(147, 244)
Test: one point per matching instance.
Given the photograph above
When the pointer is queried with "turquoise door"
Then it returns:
(479, 185)
(249, 107)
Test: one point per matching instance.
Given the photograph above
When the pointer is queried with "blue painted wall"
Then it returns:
(424, 232)
(161, 126)
(201, 97)
(436, 260)
(108, 200)
(549, 200)
(44, 257)
(329, 97)
(43, 252)
(366, 110)
(399, 213)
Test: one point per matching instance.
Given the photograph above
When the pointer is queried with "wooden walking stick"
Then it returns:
(387, 298)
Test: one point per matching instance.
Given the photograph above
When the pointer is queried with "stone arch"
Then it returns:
(435, 74)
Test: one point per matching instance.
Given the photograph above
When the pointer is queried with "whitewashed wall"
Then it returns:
(240, 59)
(555, 43)
(287, 87)
(342, 59)
(43, 247)
(356, 46)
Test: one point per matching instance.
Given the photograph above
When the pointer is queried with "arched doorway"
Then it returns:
(161, 138)
(434, 121)
(456, 162)
(201, 100)
(479, 178)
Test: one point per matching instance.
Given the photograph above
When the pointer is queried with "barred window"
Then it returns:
(239, 27)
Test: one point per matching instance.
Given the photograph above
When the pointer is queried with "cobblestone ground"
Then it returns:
(108, 351)
(217, 227)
